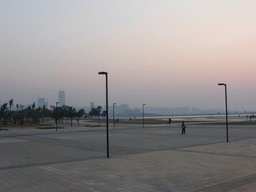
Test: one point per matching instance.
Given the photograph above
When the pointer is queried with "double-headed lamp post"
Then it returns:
(114, 115)
(105, 73)
(56, 116)
(143, 113)
(226, 103)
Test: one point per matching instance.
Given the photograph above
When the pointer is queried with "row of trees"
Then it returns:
(34, 115)
(7, 114)
(96, 112)
(67, 112)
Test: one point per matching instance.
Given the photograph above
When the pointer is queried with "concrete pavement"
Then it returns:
(150, 159)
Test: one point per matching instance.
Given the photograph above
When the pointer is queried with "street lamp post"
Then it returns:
(143, 113)
(71, 115)
(114, 115)
(106, 74)
(99, 109)
(22, 121)
(56, 116)
(226, 103)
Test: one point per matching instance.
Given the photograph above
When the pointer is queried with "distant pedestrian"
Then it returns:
(183, 127)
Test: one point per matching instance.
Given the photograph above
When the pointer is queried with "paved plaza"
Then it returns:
(154, 158)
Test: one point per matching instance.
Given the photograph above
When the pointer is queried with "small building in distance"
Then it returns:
(41, 102)
(61, 98)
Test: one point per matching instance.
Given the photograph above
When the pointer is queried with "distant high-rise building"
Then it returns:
(61, 98)
(42, 103)
(91, 105)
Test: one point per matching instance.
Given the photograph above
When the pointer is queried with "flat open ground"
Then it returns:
(155, 158)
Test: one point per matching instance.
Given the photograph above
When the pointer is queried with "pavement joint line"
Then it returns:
(50, 163)
(229, 185)
(54, 132)
(212, 153)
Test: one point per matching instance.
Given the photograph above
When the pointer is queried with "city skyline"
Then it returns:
(123, 109)
(162, 53)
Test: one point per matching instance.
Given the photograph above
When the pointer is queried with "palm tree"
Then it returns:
(15, 116)
(43, 112)
(72, 113)
(28, 113)
(33, 105)
(63, 112)
(96, 112)
(66, 112)
(10, 104)
(4, 113)
(79, 114)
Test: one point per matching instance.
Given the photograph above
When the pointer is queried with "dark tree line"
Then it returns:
(96, 112)
(34, 115)
(67, 113)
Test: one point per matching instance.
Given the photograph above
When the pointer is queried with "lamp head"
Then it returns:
(221, 84)
(102, 73)
(114, 103)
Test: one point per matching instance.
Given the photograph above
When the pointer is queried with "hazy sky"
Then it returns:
(166, 53)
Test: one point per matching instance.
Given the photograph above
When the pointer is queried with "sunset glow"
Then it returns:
(163, 53)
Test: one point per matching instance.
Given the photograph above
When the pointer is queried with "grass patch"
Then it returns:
(92, 126)
(46, 124)
(4, 129)
(27, 124)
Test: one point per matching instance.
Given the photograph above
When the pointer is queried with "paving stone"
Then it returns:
(157, 158)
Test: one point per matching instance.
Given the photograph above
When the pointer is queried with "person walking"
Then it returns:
(183, 128)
